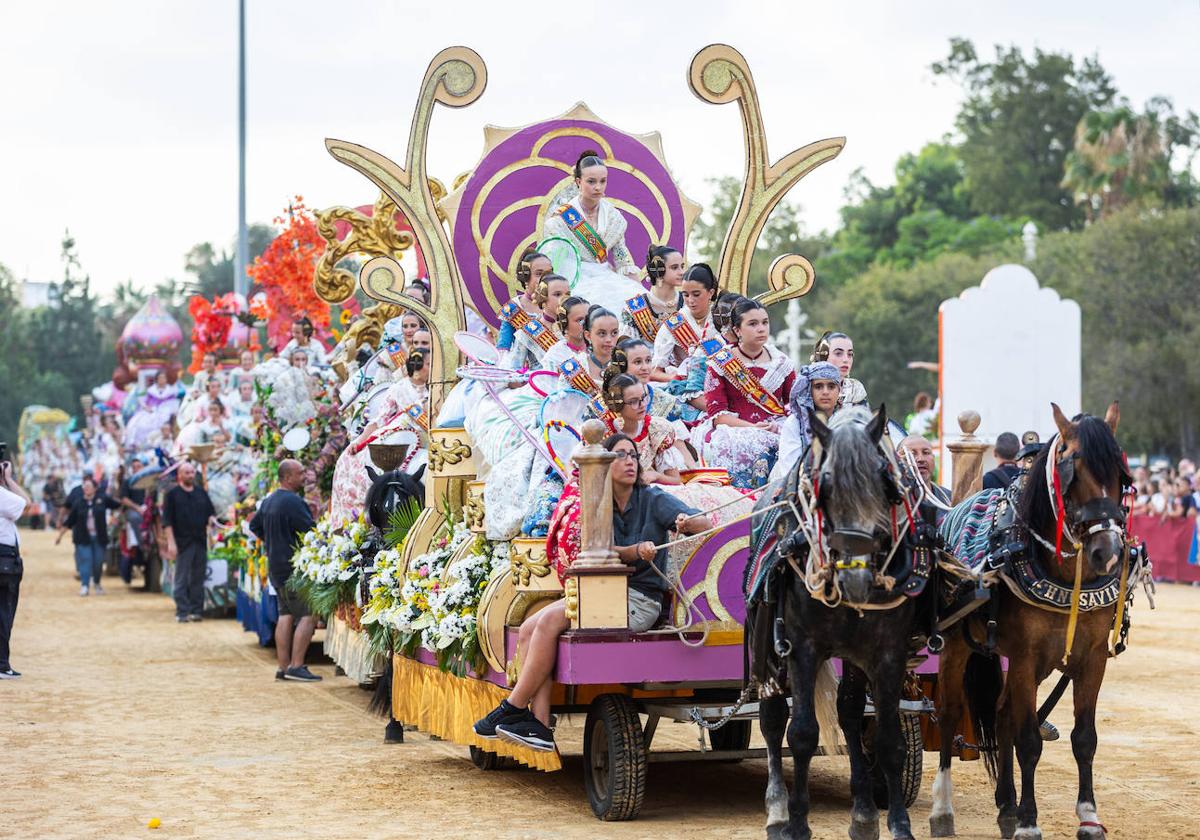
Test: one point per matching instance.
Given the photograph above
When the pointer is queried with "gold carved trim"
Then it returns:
(720, 74)
(447, 452)
(528, 562)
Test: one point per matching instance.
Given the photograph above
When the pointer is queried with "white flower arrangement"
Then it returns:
(331, 552)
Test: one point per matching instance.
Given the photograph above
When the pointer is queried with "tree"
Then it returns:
(1018, 123)
(1121, 157)
(928, 212)
(214, 271)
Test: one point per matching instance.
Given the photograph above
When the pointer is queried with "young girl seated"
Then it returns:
(746, 394)
(642, 518)
(531, 267)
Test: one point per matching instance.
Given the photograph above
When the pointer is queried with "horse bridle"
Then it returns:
(851, 544)
(1095, 516)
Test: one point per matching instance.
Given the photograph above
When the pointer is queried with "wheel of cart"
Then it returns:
(910, 771)
(614, 758)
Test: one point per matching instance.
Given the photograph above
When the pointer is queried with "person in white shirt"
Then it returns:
(13, 503)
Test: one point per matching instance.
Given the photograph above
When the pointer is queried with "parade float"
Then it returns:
(447, 598)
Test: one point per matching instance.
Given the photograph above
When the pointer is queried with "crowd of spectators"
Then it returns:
(1167, 491)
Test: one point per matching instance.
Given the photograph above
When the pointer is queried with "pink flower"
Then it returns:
(423, 571)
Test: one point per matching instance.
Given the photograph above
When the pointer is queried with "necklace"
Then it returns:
(600, 366)
(748, 356)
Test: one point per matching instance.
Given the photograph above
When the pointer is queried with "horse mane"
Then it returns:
(1101, 454)
(853, 464)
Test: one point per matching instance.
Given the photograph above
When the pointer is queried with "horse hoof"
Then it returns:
(864, 827)
(1090, 832)
(1008, 825)
(941, 825)
(778, 831)
(393, 733)
(1027, 833)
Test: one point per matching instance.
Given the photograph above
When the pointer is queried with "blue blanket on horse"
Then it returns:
(966, 528)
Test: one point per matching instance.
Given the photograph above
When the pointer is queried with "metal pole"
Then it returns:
(243, 246)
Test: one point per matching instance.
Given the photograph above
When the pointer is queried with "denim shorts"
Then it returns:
(643, 611)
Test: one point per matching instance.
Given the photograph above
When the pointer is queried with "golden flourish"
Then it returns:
(571, 594)
(473, 511)
(456, 77)
(708, 586)
(526, 566)
(719, 74)
(372, 236)
(451, 452)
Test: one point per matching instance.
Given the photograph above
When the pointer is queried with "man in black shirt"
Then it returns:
(1007, 447)
(186, 515)
(280, 522)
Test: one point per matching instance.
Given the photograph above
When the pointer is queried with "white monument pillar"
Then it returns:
(1007, 349)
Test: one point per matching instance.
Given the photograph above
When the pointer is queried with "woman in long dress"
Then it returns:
(159, 404)
(746, 393)
(350, 478)
(677, 358)
(590, 222)
(645, 313)
(537, 335)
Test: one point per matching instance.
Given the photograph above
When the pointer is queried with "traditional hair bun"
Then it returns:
(588, 157)
(414, 362)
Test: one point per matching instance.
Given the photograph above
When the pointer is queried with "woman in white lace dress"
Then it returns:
(590, 222)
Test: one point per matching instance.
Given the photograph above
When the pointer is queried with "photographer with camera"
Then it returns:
(13, 503)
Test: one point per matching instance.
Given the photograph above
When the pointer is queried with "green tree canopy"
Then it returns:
(1017, 124)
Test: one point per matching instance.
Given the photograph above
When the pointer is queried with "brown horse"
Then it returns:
(1089, 475)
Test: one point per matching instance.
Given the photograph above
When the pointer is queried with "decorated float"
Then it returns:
(447, 594)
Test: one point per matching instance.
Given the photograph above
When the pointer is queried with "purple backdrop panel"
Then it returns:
(729, 579)
(523, 168)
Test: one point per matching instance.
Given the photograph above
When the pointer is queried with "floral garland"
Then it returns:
(429, 608)
(328, 562)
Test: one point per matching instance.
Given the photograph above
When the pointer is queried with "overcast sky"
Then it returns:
(118, 119)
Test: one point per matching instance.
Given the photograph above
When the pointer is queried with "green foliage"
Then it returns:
(213, 271)
(891, 313)
(1134, 277)
(1121, 158)
(400, 522)
(1017, 124)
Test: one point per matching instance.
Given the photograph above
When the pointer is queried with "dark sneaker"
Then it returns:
(9, 674)
(279, 674)
(196, 618)
(504, 713)
(529, 732)
(300, 674)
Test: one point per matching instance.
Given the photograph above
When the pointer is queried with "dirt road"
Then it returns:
(124, 715)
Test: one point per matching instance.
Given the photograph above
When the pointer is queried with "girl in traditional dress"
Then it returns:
(682, 334)
(645, 313)
(818, 388)
(410, 322)
(158, 406)
(572, 313)
(244, 372)
(531, 268)
(302, 339)
(534, 336)
(596, 228)
(659, 452)
(635, 357)
(404, 407)
(746, 391)
(837, 349)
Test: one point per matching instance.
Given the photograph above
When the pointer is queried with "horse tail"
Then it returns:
(982, 683)
(381, 699)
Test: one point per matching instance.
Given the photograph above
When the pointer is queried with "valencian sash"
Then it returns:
(734, 370)
(514, 315)
(584, 232)
(603, 412)
(416, 413)
(681, 330)
(398, 353)
(642, 316)
(540, 334)
(578, 377)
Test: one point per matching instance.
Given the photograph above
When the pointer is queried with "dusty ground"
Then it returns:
(123, 716)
